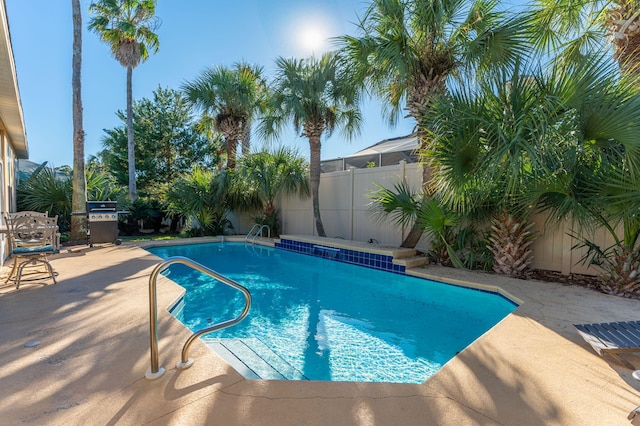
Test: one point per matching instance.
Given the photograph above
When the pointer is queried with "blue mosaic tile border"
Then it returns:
(370, 260)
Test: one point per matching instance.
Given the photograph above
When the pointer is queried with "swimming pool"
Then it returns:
(318, 319)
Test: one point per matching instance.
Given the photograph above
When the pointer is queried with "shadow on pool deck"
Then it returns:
(93, 351)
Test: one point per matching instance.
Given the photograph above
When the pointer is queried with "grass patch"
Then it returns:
(137, 238)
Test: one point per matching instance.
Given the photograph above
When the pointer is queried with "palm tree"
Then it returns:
(409, 49)
(316, 96)
(488, 148)
(602, 194)
(598, 174)
(79, 198)
(202, 197)
(229, 99)
(405, 207)
(263, 177)
(453, 242)
(620, 263)
(597, 185)
(127, 27)
(255, 71)
(574, 28)
(523, 137)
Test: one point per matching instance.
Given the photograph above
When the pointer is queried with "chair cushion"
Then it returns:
(29, 250)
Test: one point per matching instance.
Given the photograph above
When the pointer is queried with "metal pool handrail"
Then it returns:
(251, 232)
(258, 232)
(185, 361)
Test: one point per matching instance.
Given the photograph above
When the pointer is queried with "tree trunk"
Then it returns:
(509, 241)
(269, 208)
(232, 130)
(246, 138)
(412, 239)
(425, 89)
(174, 223)
(130, 143)
(232, 147)
(314, 180)
(79, 191)
(623, 23)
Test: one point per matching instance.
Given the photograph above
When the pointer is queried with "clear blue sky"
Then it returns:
(194, 34)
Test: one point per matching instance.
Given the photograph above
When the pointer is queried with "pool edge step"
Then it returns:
(254, 360)
(233, 361)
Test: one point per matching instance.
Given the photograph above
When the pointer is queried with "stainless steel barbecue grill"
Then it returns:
(102, 218)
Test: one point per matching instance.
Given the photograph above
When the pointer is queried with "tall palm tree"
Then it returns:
(79, 197)
(229, 98)
(316, 96)
(264, 176)
(257, 73)
(409, 49)
(127, 26)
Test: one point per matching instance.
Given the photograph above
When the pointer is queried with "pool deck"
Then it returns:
(93, 333)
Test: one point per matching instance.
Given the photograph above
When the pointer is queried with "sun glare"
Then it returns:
(311, 32)
(313, 39)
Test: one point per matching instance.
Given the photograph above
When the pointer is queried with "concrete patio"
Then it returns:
(93, 351)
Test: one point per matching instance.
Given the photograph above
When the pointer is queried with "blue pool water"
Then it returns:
(318, 319)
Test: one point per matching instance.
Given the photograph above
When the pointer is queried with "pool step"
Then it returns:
(411, 262)
(403, 253)
(253, 359)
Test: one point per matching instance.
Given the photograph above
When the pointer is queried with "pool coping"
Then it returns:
(92, 328)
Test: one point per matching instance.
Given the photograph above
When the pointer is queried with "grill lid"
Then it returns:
(102, 206)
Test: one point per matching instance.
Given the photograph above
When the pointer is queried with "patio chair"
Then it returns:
(14, 215)
(612, 338)
(31, 239)
(23, 213)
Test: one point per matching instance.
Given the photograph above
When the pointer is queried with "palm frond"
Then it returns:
(399, 204)
(127, 26)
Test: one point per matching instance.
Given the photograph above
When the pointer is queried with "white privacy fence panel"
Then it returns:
(369, 226)
(345, 209)
(336, 195)
(552, 248)
(296, 216)
(549, 246)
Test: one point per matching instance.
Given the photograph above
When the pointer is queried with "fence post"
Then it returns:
(403, 172)
(352, 174)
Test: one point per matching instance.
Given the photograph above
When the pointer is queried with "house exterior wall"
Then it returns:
(8, 183)
(13, 140)
(5, 192)
(9, 178)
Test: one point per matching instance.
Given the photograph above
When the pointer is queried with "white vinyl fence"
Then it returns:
(346, 213)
